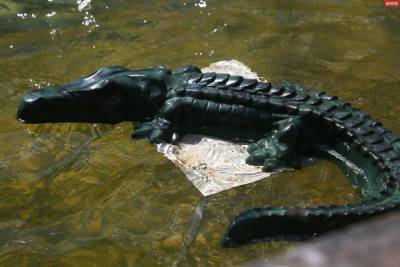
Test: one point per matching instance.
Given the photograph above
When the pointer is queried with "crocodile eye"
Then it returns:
(105, 72)
(98, 88)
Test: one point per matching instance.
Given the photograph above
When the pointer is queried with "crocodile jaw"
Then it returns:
(110, 95)
(54, 104)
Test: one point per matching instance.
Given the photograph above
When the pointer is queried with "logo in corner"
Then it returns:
(392, 3)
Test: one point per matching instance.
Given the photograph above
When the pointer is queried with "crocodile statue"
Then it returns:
(281, 122)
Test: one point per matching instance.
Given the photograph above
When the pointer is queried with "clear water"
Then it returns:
(87, 195)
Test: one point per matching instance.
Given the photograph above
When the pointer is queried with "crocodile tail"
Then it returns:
(378, 184)
(375, 171)
(300, 223)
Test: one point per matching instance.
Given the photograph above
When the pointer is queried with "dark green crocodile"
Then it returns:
(282, 123)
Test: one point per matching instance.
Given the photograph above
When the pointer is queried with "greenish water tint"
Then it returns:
(87, 195)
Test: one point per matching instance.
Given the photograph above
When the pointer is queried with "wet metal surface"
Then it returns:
(87, 195)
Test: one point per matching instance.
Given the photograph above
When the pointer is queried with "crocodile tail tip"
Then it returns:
(247, 227)
(297, 223)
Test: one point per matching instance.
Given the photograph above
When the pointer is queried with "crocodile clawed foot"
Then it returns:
(272, 154)
(175, 138)
(157, 130)
(270, 165)
(142, 130)
(265, 152)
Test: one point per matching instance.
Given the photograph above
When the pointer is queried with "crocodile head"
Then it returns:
(110, 95)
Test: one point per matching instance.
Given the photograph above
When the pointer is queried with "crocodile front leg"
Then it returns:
(165, 126)
(280, 148)
(183, 114)
(156, 130)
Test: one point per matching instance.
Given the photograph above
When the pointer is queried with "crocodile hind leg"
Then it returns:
(280, 148)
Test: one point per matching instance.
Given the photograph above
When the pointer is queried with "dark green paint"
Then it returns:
(282, 122)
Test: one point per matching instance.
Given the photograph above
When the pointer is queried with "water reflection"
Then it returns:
(79, 194)
(84, 5)
(201, 4)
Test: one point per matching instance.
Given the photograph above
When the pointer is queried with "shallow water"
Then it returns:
(87, 195)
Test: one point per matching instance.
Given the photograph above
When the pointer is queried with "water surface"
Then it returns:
(87, 195)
